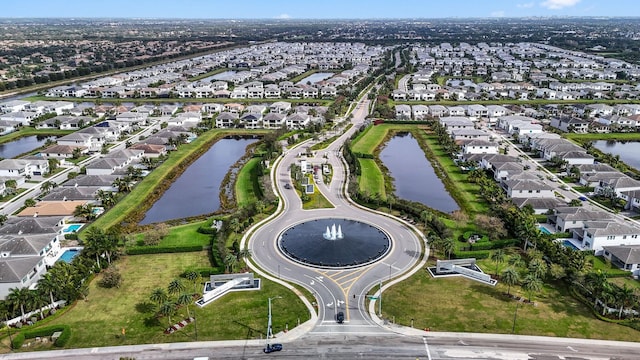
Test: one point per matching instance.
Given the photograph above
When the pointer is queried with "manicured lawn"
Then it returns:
(370, 139)
(185, 235)
(247, 186)
(99, 320)
(317, 201)
(610, 136)
(458, 304)
(371, 179)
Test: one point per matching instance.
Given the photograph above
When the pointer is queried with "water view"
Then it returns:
(628, 150)
(315, 77)
(224, 76)
(23, 145)
(197, 190)
(413, 176)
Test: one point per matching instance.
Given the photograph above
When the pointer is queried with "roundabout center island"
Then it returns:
(334, 243)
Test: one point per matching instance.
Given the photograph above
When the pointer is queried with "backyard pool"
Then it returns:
(569, 244)
(544, 230)
(69, 254)
(71, 228)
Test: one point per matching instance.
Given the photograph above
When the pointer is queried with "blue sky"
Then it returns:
(318, 9)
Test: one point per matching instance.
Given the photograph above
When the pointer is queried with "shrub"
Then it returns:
(162, 250)
(479, 254)
(19, 339)
(71, 236)
(111, 277)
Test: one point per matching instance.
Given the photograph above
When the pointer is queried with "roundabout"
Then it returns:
(334, 243)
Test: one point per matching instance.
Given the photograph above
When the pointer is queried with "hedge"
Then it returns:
(47, 331)
(204, 272)
(479, 254)
(139, 250)
(489, 245)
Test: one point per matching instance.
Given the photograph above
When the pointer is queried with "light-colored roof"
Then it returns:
(52, 208)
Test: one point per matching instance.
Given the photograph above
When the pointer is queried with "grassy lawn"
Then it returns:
(316, 201)
(609, 136)
(247, 186)
(185, 235)
(370, 139)
(465, 192)
(29, 131)
(371, 180)
(458, 304)
(99, 320)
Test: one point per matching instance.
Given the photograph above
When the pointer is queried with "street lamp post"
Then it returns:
(515, 314)
(380, 300)
(269, 324)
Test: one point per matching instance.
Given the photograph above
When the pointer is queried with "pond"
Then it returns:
(12, 149)
(628, 150)
(413, 176)
(197, 190)
(224, 76)
(315, 77)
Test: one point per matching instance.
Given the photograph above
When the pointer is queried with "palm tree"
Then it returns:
(625, 297)
(122, 184)
(448, 245)
(510, 277)
(185, 300)
(167, 309)
(159, 296)
(538, 268)
(195, 278)
(596, 282)
(47, 186)
(244, 253)
(230, 262)
(39, 301)
(47, 285)
(84, 211)
(532, 284)
(498, 257)
(515, 260)
(175, 287)
(19, 298)
(3, 219)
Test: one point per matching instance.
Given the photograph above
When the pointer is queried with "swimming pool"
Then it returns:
(569, 244)
(544, 230)
(71, 228)
(69, 254)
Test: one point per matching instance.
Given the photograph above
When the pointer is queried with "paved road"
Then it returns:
(432, 346)
(335, 290)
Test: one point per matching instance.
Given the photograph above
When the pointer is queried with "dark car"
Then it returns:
(273, 347)
(287, 186)
(340, 317)
(583, 198)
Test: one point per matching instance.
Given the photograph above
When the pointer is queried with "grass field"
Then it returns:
(368, 141)
(247, 186)
(185, 235)
(458, 304)
(371, 179)
(100, 320)
(610, 136)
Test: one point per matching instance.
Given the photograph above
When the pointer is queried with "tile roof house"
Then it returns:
(625, 257)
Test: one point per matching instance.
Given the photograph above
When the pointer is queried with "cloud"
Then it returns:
(499, 13)
(526, 5)
(283, 16)
(558, 4)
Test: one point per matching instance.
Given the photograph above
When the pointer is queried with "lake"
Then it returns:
(197, 190)
(413, 176)
(22, 145)
(628, 150)
(224, 76)
(315, 77)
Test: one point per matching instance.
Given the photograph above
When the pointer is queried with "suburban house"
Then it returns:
(568, 218)
(527, 189)
(479, 147)
(79, 139)
(274, 120)
(625, 257)
(403, 112)
(297, 121)
(570, 124)
(23, 167)
(61, 152)
(469, 134)
(251, 120)
(72, 193)
(617, 185)
(150, 150)
(597, 234)
(456, 123)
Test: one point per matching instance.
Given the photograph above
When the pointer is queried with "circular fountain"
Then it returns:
(334, 243)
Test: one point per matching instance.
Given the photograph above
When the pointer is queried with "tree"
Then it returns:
(230, 262)
(48, 285)
(538, 268)
(47, 186)
(532, 284)
(76, 153)
(3, 219)
(84, 211)
(122, 184)
(167, 309)
(19, 298)
(195, 278)
(498, 257)
(185, 300)
(175, 287)
(510, 277)
(159, 296)
(29, 202)
(596, 282)
(624, 297)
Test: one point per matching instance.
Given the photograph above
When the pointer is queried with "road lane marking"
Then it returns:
(426, 348)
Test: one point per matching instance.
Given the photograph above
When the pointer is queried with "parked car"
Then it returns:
(340, 317)
(273, 347)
